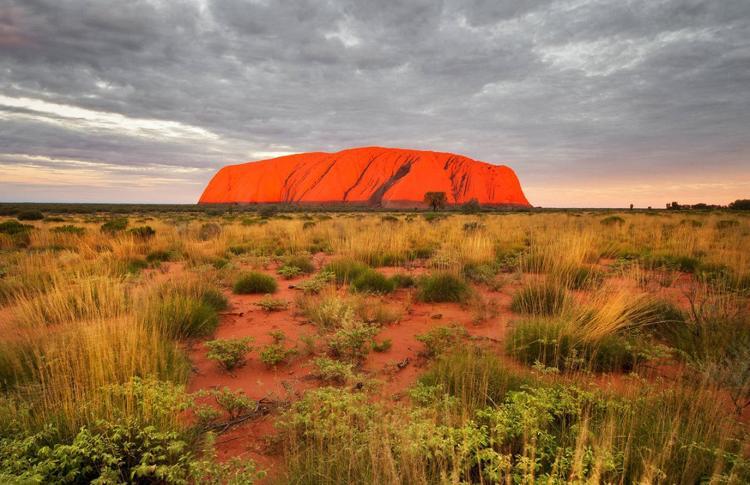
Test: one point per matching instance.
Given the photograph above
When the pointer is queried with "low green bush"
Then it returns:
(483, 273)
(439, 339)
(114, 226)
(382, 346)
(253, 283)
(331, 370)
(316, 284)
(443, 287)
(229, 353)
(12, 228)
(271, 304)
(30, 215)
(158, 256)
(69, 229)
(275, 353)
(142, 232)
(352, 342)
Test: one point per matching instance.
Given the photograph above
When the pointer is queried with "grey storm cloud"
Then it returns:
(566, 92)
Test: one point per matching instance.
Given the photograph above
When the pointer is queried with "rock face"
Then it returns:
(388, 177)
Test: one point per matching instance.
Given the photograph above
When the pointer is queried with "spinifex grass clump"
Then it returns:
(581, 277)
(254, 282)
(443, 287)
(475, 376)
(557, 343)
(541, 298)
(602, 335)
(183, 310)
(372, 281)
(346, 270)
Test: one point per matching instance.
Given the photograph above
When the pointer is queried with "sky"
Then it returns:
(593, 103)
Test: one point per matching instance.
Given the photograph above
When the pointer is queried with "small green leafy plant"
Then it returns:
(229, 353)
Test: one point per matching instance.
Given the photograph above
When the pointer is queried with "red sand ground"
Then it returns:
(289, 381)
(370, 175)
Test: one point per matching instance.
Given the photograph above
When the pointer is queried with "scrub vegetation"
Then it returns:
(140, 345)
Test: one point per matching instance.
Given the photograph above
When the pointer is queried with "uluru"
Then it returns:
(374, 176)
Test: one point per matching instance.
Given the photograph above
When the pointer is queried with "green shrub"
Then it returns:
(12, 228)
(346, 270)
(373, 282)
(383, 346)
(331, 370)
(113, 453)
(443, 287)
(534, 435)
(158, 256)
(315, 284)
(440, 339)
(483, 273)
(18, 233)
(229, 353)
(142, 232)
(30, 215)
(545, 298)
(275, 353)
(69, 229)
(253, 283)
(115, 225)
(351, 342)
(289, 272)
(271, 304)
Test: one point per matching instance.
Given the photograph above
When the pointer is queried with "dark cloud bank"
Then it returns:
(591, 102)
